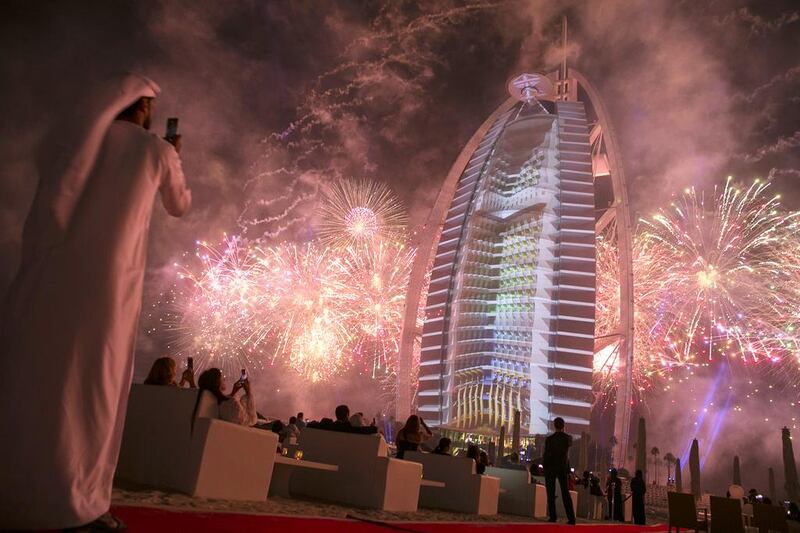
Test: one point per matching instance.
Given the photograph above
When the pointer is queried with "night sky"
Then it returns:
(276, 98)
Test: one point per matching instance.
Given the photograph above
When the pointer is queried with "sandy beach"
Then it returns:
(144, 497)
(293, 507)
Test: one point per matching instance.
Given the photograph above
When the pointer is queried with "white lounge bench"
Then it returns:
(284, 469)
(464, 491)
(518, 496)
(218, 460)
(366, 476)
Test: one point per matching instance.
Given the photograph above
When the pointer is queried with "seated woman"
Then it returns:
(240, 411)
(290, 433)
(164, 371)
(474, 453)
(412, 435)
(443, 448)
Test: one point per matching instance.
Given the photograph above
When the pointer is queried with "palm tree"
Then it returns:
(655, 452)
(670, 460)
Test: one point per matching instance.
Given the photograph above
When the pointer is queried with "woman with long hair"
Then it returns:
(164, 372)
(474, 453)
(412, 435)
(240, 411)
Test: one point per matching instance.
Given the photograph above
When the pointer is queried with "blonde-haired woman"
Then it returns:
(414, 433)
(164, 371)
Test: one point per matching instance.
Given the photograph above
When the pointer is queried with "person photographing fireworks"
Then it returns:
(71, 315)
(556, 468)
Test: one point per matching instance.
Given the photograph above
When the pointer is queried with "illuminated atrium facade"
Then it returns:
(509, 315)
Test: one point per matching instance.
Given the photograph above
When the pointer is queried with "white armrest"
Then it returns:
(402, 488)
(235, 461)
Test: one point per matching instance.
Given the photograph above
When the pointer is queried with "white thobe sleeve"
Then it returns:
(242, 412)
(175, 195)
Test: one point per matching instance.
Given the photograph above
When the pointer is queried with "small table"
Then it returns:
(282, 471)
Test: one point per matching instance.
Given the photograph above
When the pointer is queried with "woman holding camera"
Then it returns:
(240, 411)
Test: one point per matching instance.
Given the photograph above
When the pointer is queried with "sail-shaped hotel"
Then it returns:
(509, 314)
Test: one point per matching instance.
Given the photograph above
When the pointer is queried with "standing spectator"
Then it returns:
(614, 496)
(301, 421)
(412, 435)
(556, 468)
(594, 487)
(794, 512)
(638, 488)
(71, 315)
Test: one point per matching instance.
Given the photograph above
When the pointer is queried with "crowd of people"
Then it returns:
(415, 435)
(241, 409)
(410, 437)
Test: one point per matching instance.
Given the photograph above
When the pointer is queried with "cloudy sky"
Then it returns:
(276, 98)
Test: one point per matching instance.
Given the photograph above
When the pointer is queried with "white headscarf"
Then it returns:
(67, 163)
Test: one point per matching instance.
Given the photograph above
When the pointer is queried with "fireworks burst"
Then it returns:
(318, 309)
(651, 361)
(309, 310)
(355, 212)
(713, 277)
(377, 277)
(215, 308)
(729, 276)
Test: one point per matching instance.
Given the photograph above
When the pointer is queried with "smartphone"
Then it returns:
(172, 127)
(243, 377)
(190, 363)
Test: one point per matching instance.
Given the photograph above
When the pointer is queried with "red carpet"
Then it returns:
(152, 520)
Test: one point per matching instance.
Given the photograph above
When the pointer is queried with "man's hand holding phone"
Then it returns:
(172, 136)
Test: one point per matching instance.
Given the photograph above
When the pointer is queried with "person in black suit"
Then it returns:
(556, 467)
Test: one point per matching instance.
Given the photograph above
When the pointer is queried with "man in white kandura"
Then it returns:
(70, 318)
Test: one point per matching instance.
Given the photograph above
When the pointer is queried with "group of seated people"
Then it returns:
(232, 408)
(241, 409)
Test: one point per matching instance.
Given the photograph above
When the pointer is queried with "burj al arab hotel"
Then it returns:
(509, 252)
